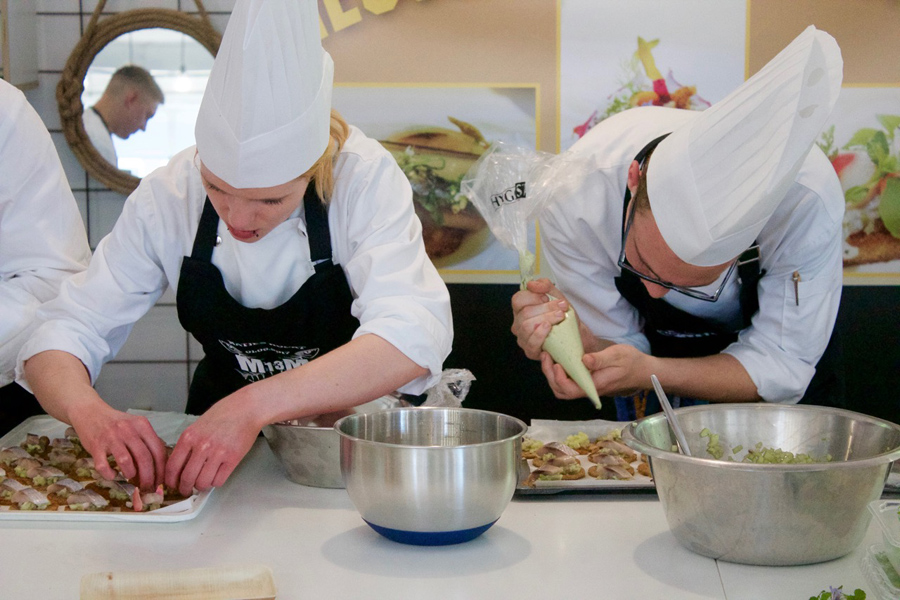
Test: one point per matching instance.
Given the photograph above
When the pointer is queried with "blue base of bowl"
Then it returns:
(431, 538)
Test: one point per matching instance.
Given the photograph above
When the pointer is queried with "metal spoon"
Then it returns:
(670, 416)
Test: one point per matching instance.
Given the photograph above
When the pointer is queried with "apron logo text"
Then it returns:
(258, 360)
(684, 334)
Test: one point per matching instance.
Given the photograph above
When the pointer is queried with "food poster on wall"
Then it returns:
(436, 133)
(862, 140)
(615, 55)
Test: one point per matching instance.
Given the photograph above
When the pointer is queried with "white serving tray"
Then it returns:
(167, 425)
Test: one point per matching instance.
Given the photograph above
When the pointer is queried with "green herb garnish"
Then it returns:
(433, 192)
(885, 181)
(827, 143)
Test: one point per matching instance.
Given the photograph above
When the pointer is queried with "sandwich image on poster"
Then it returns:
(436, 133)
(435, 159)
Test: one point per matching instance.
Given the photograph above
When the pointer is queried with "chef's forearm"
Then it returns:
(61, 384)
(719, 378)
(364, 369)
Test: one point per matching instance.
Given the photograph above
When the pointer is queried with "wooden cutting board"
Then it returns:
(254, 582)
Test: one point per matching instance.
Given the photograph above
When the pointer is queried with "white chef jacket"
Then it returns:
(375, 235)
(100, 136)
(581, 231)
(42, 238)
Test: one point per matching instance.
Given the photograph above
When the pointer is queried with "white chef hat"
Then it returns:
(714, 182)
(265, 114)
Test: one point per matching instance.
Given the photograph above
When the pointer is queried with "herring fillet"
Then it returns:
(563, 343)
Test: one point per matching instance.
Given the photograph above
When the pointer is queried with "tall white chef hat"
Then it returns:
(714, 182)
(265, 115)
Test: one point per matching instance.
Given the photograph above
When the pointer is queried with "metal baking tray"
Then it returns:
(548, 431)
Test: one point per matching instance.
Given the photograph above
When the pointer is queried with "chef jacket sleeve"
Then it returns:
(788, 335)
(581, 238)
(95, 310)
(398, 294)
(42, 237)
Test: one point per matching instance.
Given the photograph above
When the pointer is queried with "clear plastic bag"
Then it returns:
(510, 185)
(451, 390)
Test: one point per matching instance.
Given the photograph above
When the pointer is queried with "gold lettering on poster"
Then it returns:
(379, 7)
(340, 18)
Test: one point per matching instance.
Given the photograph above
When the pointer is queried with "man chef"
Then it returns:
(129, 101)
(704, 247)
(42, 239)
(291, 240)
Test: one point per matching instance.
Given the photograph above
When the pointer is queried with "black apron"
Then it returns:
(243, 345)
(16, 405)
(674, 333)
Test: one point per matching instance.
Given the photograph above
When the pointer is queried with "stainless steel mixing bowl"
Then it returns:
(430, 476)
(309, 450)
(769, 514)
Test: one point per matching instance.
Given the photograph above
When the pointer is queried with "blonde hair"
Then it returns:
(322, 172)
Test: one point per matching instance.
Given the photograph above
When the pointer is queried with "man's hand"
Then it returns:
(616, 371)
(534, 313)
(620, 370)
(210, 448)
(130, 439)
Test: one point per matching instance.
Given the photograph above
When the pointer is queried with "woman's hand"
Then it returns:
(534, 313)
(63, 387)
(210, 448)
(130, 439)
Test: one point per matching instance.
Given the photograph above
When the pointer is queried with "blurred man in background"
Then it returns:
(128, 102)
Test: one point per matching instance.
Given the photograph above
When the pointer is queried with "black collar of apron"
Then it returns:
(317, 231)
(640, 157)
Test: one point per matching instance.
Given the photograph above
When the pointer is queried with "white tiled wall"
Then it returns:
(153, 369)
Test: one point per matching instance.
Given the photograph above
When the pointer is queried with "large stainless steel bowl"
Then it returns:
(769, 514)
(430, 476)
(309, 450)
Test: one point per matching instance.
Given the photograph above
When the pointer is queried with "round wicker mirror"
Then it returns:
(97, 35)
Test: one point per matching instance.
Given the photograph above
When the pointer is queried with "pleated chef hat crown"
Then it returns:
(265, 116)
(714, 182)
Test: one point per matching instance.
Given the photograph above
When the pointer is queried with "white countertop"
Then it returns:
(601, 546)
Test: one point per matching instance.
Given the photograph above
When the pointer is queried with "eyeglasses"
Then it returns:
(687, 291)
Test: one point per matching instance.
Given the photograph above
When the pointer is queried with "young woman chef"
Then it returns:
(288, 235)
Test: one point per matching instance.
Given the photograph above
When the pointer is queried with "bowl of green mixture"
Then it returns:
(768, 484)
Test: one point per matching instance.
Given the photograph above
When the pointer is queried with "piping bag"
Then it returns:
(509, 185)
